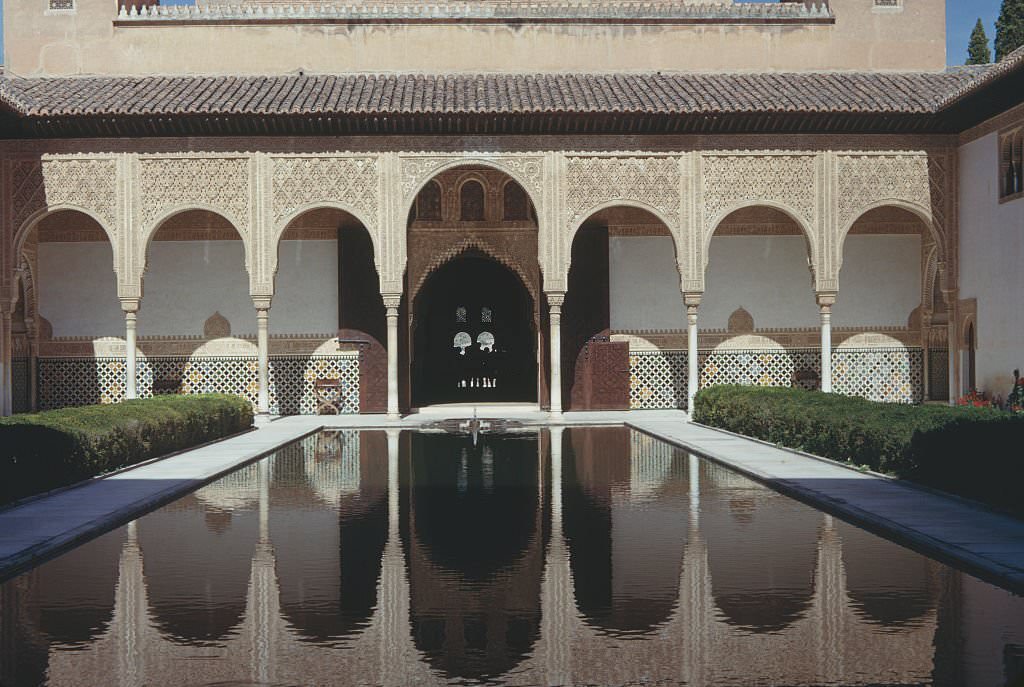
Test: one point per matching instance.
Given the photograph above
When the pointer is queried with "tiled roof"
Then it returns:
(490, 94)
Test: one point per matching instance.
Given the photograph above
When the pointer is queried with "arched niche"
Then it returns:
(73, 596)
(758, 260)
(762, 551)
(197, 553)
(883, 269)
(623, 278)
(474, 530)
(626, 528)
(195, 266)
(328, 526)
(327, 285)
(434, 243)
(888, 585)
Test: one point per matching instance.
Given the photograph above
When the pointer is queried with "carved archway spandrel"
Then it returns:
(51, 182)
(353, 182)
(863, 181)
(733, 181)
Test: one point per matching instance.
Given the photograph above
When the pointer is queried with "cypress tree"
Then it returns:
(1009, 28)
(977, 50)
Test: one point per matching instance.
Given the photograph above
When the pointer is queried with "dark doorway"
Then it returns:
(474, 339)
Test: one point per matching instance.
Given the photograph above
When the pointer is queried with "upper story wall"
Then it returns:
(91, 39)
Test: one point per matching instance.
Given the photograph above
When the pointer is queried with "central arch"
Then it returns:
(474, 338)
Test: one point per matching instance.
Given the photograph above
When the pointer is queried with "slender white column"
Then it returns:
(393, 436)
(392, 302)
(263, 355)
(131, 310)
(825, 303)
(555, 301)
(692, 301)
(952, 301)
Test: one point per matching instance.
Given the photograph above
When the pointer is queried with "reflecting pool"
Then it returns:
(595, 556)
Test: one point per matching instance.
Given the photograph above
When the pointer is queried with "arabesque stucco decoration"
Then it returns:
(182, 183)
(865, 181)
(648, 182)
(730, 182)
(300, 182)
(89, 184)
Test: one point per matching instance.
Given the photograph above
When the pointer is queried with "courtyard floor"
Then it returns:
(985, 543)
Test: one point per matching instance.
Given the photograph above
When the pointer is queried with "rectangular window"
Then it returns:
(887, 6)
(1011, 164)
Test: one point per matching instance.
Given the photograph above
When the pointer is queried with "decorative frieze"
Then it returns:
(648, 182)
(88, 184)
(220, 184)
(865, 181)
(351, 182)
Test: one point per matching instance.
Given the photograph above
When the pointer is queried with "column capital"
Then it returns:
(555, 298)
(392, 301)
(825, 299)
(692, 299)
(262, 303)
(130, 305)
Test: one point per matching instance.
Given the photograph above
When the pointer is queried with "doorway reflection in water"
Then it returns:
(575, 556)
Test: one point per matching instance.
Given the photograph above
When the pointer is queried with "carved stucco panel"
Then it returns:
(222, 184)
(865, 180)
(351, 181)
(527, 170)
(592, 182)
(87, 183)
(733, 181)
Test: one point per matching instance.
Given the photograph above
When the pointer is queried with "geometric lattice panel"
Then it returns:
(766, 367)
(657, 379)
(292, 378)
(938, 374)
(893, 375)
(85, 381)
(67, 382)
(20, 381)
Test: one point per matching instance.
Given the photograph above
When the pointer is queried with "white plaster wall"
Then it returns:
(769, 277)
(306, 290)
(880, 281)
(766, 275)
(644, 283)
(187, 281)
(991, 260)
(77, 289)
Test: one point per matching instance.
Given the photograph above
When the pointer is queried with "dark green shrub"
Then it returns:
(43, 451)
(969, 451)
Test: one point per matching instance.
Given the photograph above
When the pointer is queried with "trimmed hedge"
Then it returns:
(43, 451)
(974, 452)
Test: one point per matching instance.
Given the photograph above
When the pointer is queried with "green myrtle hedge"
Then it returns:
(974, 452)
(43, 451)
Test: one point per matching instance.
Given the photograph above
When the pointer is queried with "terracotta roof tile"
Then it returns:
(625, 93)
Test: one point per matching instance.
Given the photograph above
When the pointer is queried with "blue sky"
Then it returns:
(960, 18)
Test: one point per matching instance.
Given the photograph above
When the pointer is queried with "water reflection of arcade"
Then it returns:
(330, 562)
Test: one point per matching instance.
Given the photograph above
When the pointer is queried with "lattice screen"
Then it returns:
(938, 374)
(84, 381)
(658, 379)
(20, 381)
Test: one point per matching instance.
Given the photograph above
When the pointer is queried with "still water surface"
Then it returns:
(591, 556)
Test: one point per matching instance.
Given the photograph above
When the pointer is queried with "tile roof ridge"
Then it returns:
(1008, 65)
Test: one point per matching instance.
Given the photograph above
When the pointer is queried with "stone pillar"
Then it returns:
(952, 301)
(392, 303)
(692, 301)
(825, 303)
(33, 358)
(263, 356)
(130, 307)
(555, 301)
(926, 356)
(5, 359)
